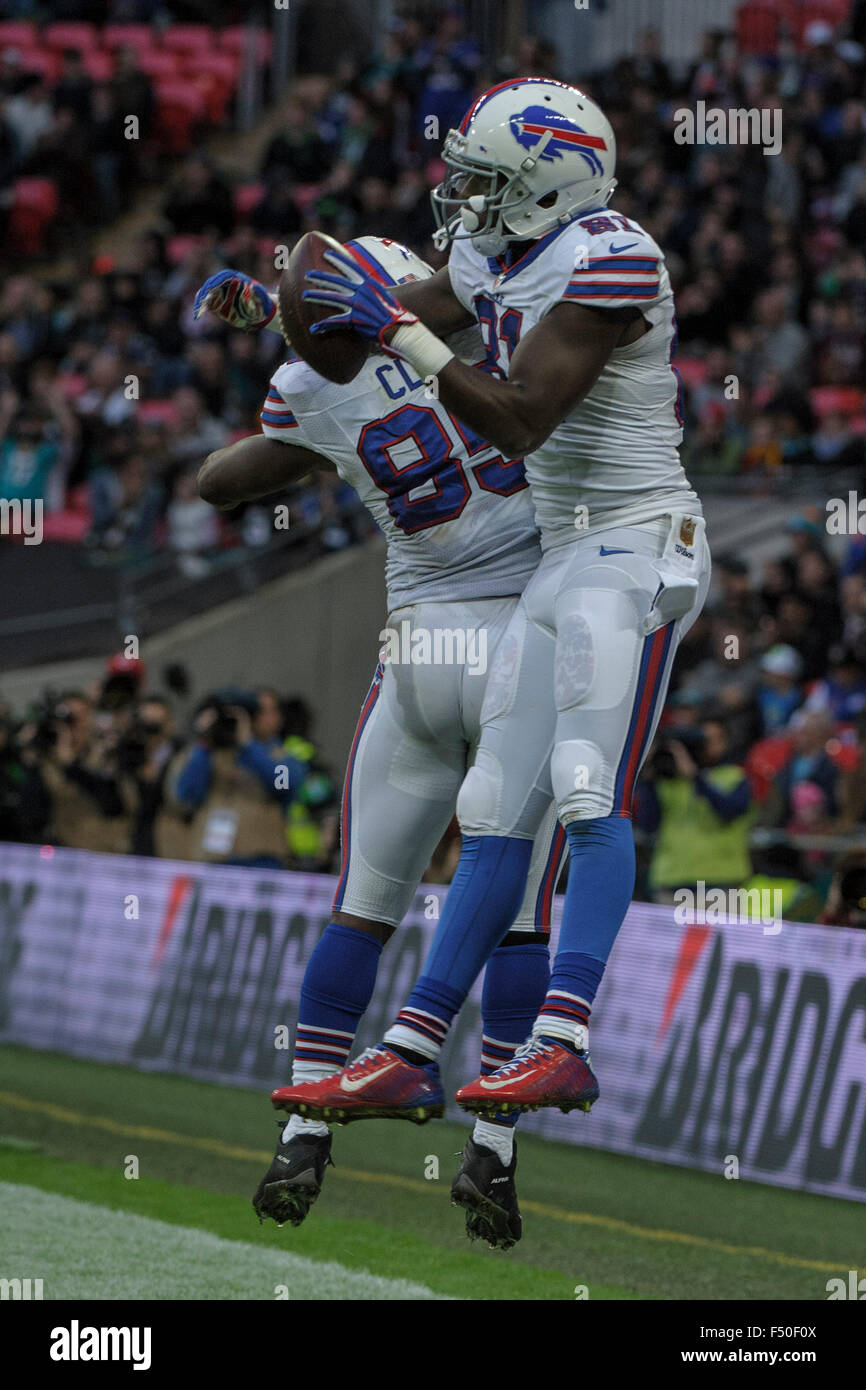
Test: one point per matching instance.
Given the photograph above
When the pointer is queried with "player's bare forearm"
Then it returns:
(435, 303)
(253, 467)
(552, 369)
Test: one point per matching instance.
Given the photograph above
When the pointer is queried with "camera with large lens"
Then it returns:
(223, 732)
(663, 763)
(133, 749)
(48, 715)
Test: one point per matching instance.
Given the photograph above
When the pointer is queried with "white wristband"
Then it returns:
(427, 353)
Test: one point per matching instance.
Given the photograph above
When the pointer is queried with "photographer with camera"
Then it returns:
(75, 758)
(144, 754)
(697, 804)
(233, 789)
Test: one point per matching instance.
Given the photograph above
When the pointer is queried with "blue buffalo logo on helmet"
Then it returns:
(562, 136)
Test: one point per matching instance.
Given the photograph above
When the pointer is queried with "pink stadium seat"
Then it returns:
(72, 384)
(693, 370)
(216, 76)
(99, 64)
(158, 65)
(78, 34)
(159, 412)
(266, 247)
(179, 106)
(178, 247)
(34, 208)
(235, 39)
(188, 38)
(18, 33)
(215, 96)
(757, 26)
(225, 66)
(842, 400)
(46, 61)
(247, 195)
(307, 193)
(129, 36)
(70, 526)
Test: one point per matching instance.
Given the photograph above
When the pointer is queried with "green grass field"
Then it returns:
(184, 1228)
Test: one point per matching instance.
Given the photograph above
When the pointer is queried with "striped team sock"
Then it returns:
(560, 1016)
(482, 901)
(515, 980)
(422, 1026)
(338, 985)
(496, 1132)
(564, 1015)
(600, 883)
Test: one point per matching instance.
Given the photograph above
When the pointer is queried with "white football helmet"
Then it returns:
(529, 155)
(389, 261)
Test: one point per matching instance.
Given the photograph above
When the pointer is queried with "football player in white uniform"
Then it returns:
(576, 307)
(461, 545)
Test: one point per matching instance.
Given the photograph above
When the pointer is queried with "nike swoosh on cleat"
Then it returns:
(496, 1085)
(347, 1085)
(614, 250)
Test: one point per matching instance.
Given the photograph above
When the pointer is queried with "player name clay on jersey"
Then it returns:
(456, 515)
(616, 454)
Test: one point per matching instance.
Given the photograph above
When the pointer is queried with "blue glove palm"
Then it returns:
(237, 299)
(366, 305)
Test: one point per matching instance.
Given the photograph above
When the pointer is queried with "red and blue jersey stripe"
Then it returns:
(276, 413)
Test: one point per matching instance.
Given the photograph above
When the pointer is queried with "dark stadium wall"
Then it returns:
(313, 633)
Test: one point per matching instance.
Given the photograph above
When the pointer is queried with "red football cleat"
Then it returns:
(543, 1073)
(378, 1085)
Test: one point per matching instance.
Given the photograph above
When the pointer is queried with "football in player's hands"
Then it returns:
(338, 354)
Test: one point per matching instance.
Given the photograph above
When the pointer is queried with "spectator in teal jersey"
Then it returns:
(27, 457)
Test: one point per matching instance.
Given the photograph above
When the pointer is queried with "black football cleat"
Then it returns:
(485, 1188)
(294, 1179)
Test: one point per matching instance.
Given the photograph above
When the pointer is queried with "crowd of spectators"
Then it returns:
(72, 130)
(111, 393)
(761, 757)
(120, 768)
(767, 252)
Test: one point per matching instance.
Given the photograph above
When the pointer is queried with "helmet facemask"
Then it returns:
(473, 200)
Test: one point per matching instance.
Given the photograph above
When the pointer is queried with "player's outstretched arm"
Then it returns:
(253, 467)
(552, 369)
(238, 300)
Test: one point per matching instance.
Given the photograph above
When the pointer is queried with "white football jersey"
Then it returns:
(616, 454)
(457, 517)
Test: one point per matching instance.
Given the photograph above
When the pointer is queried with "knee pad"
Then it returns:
(480, 796)
(580, 779)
